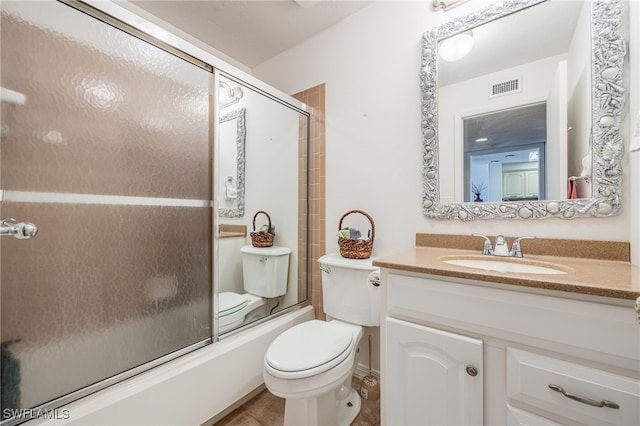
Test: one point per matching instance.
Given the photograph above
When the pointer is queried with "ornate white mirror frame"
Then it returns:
(607, 58)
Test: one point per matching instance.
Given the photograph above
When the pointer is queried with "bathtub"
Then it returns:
(190, 390)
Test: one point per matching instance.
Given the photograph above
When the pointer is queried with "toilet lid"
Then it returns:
(308, 345)
(229, 303)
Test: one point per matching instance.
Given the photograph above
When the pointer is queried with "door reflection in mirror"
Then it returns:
(504, 155)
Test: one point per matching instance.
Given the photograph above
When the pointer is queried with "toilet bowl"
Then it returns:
(236, 309)
(311, 364)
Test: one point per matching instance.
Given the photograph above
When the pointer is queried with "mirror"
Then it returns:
(532, 125)
(265, 140)
(231, 185)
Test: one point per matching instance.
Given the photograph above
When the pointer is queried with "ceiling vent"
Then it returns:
(505, 87)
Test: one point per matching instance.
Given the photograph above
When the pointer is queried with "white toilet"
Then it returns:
(265, 271)
(311, 364)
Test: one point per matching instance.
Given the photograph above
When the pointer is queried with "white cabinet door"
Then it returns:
(531, 183)
(513, 184)
(520, 183)
(431, 378)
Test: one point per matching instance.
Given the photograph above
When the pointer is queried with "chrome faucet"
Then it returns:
(516, 250)
(487, 248)
(501, 247)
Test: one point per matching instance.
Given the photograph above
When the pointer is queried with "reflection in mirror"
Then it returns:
(506, 97)
(228, 95)
(275, 149)
(232, 131)
(504, 155)
(563, 58)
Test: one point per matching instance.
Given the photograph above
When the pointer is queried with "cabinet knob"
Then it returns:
(471, 370)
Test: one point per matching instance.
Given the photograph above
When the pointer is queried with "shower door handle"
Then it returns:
(20, 230)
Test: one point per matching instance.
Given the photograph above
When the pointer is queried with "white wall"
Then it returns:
(370, 63)
(230, 261)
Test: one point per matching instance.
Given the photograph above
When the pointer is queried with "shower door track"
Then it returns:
(145, 30)
(135, 32)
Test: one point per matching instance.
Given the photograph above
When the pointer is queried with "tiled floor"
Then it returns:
(266, 409)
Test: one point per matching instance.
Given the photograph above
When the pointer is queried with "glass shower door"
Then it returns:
(106, 149)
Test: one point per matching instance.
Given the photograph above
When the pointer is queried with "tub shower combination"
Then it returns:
(110, 256)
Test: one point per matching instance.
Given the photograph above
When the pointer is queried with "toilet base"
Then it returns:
(336, 408)
(348, 409)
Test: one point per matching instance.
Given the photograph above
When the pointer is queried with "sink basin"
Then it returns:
(506, 265)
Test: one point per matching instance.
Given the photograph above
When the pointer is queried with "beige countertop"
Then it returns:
(596, 277)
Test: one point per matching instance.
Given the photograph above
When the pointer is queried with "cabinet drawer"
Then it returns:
(529, 376)
(603, 333)
(517, 417)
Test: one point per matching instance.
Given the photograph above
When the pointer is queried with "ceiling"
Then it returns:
(506, 131)
(538, 32)
(251, 31)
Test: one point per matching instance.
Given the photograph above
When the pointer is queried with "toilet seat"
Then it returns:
(308, 349)
(229, 302)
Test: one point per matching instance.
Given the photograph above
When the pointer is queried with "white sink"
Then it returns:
(504, 266)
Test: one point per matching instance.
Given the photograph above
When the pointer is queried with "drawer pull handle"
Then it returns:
(584, 400)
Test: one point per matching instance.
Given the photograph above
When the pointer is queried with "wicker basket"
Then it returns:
(356, 249)
(259, 239)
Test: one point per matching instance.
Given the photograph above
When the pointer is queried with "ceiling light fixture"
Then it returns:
(456, 47)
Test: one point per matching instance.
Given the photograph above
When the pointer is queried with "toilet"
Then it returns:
(265, 271)
(311, 364)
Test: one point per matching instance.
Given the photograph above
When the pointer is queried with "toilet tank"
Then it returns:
(348, 293)
(265, 270)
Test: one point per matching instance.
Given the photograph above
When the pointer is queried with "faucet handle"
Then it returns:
(487, 248)
(516, 250)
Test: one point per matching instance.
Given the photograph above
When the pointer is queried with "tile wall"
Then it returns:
(315, 98)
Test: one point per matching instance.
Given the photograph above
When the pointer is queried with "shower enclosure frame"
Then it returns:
(129, 22)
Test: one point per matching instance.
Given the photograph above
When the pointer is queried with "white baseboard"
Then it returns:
(362, 370)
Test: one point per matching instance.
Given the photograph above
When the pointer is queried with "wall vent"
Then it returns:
(505, 87)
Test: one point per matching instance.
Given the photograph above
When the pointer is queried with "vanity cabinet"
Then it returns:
(520, 184)
(541, 357)
(434, 377)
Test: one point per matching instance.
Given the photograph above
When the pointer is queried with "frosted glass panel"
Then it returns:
(105, 113)
(106, 147)
(100, 290)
